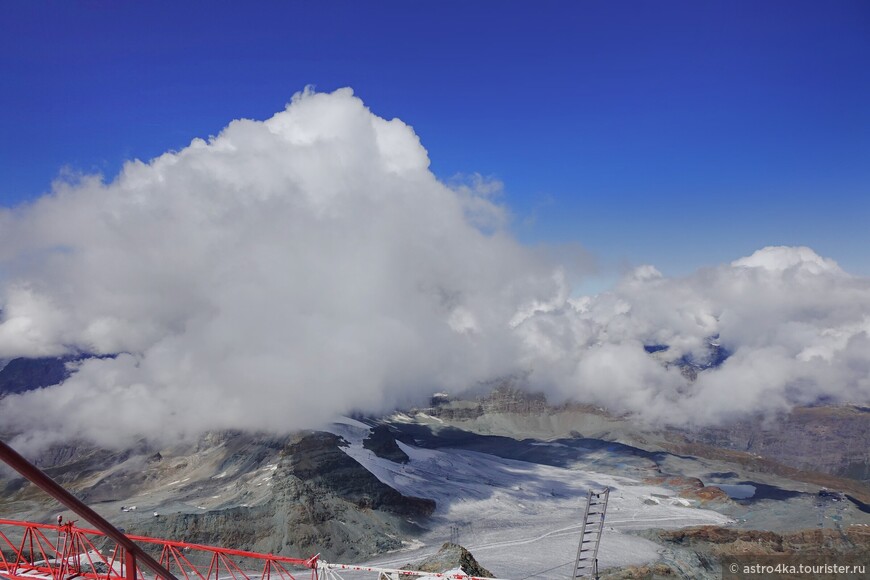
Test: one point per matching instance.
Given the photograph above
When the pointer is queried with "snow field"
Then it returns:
(521, 519)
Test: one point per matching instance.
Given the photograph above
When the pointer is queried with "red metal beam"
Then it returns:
(134, 553)
(306, 563)
(78, 557)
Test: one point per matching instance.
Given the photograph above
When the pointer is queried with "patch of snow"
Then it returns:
(401, 418)
(422, 415)
(351, 422)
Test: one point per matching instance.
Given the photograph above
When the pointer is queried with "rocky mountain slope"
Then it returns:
(832, 440)
(296, 495)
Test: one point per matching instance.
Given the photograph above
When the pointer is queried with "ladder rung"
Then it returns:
(590, 537)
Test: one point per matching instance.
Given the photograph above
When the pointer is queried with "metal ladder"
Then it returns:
(586, 564)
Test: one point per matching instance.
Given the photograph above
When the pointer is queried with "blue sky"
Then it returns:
(674, 133)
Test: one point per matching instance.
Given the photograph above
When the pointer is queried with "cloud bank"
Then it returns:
(288, 270)
(797, 328)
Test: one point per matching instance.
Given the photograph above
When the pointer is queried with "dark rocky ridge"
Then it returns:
(383, 444)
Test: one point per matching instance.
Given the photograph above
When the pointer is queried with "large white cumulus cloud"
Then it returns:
(279, 273)
(311, 264)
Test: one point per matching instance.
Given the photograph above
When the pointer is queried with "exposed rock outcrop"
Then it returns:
(450, 557)
(719, 541)
(316, 459)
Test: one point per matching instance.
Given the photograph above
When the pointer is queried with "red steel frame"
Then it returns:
(37, 556)
(132, 554)
(91, 555)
